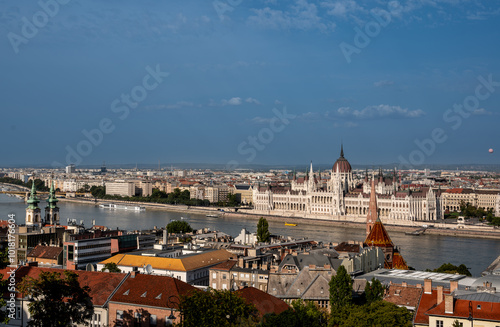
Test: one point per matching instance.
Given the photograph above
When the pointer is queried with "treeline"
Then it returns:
(39, 184)
(157, 196)
(470, 211)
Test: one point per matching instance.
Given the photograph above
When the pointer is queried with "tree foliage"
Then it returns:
(57, 301)
(300, 314)
(340, 296)
(377, 314)
(111, 267)
(179, 226)
(215, 308)
(263, 234)
(449, 268)
(374, 291)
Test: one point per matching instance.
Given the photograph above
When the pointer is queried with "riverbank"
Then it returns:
(438, 229)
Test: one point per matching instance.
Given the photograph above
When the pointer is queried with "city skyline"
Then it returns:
(241, 83)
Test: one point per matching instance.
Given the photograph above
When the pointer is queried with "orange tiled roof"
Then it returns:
(398, 262)
(378, 236)
(101, 284)
(489, 311)
(151, 290)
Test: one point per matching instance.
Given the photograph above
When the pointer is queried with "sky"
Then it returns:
(240, 82)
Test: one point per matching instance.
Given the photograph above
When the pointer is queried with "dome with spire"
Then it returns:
(342, 164)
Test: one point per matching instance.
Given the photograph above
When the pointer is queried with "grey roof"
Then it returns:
(307, 284)
(493, 268)
(493, 279)
(305, 260)
(478, 296)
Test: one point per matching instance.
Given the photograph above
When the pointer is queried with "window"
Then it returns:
(152, 320)
(214, 275)
(439, 323)
(119, 314)
(224, 276)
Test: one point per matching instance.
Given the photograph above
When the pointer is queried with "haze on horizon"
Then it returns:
(249, 82)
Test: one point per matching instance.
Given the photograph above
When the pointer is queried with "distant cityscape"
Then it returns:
(279, 269)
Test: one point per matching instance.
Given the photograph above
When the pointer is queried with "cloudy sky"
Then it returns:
(240, 81)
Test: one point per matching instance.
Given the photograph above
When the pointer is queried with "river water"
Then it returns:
(420, 252)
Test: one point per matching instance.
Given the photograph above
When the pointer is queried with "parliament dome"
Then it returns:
(342, 164)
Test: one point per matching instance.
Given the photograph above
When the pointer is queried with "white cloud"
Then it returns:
(302, 15)
(383, 83)
(252, 100)
(262, 120)
(341, 8)
(380, 111)
(236, 101)
(482, 112)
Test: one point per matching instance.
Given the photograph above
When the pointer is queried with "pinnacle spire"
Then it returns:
(341, 149)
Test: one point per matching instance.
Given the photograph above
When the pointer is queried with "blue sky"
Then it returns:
(259, 82)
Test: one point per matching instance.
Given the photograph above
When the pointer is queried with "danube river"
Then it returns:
(420, 252)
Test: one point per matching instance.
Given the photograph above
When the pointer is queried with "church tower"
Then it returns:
(52, 210)
(372, 209)
(33, 212)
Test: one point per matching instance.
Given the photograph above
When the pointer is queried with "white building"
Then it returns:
(344, 198)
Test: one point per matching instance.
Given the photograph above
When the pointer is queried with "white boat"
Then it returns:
(213, 216)
(121, 207)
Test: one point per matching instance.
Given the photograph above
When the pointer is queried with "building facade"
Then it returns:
(343, 197)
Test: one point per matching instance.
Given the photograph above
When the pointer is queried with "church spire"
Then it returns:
(33, 199)
(372, 209)
(52, 200)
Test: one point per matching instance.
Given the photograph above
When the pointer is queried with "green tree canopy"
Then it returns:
(263, 234)
(378, 314)
(57, 301)
(215, 308)
(300, 314)
(340, 296)
(374, 291)
(452, 269)
(111, 267)
(179, 226)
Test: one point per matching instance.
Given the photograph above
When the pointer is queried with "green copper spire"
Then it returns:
(33, 199)
(52, 200)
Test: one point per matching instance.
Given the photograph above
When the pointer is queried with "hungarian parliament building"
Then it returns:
(344, 198)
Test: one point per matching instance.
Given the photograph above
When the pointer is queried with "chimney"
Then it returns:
(439, 294)
(312, 266)
(428, 286)
(327, 267)
(448, 303)
(241, 262)
(453, 285)
(404, 284)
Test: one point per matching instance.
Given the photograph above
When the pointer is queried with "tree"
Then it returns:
(340, 295)
(57, 301)
(374, 291)
(111, 267)
(98, 191)
(263, 234)
(214, 308)
(300, 314)
(378, 313)
(178, 226)
(449, 268)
